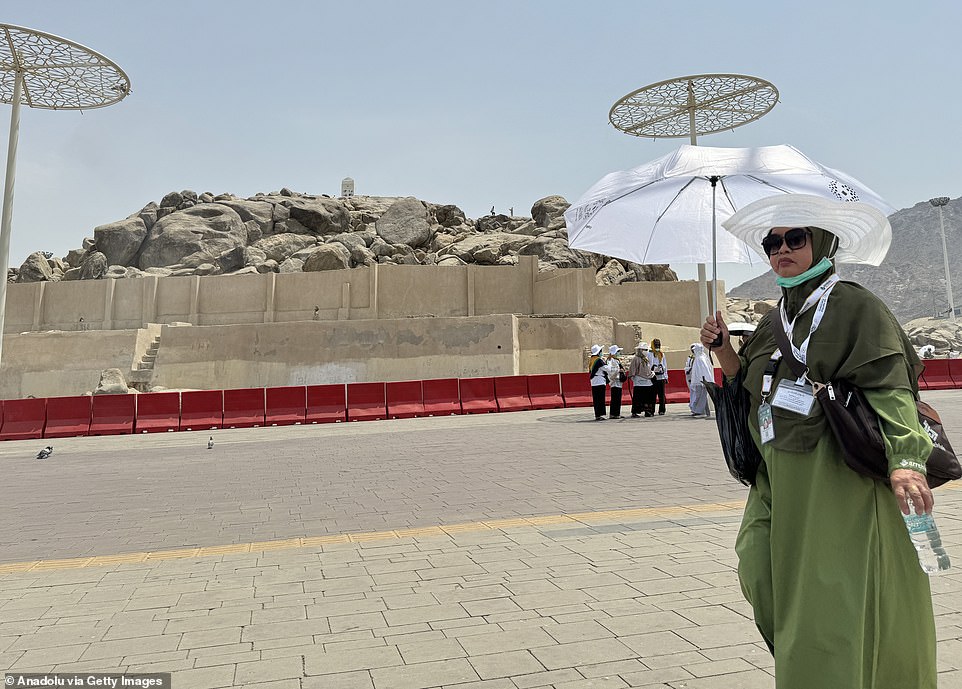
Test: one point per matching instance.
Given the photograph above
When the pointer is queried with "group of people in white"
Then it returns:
(648, 373)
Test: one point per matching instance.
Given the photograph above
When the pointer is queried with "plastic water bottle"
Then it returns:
(928, 543)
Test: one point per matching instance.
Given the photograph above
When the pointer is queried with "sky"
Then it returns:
(488, 103)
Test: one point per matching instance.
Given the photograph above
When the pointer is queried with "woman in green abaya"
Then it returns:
(824, 557)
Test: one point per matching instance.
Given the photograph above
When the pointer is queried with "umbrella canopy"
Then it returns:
(661, 212)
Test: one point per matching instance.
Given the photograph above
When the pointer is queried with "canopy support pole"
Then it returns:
(8, 197)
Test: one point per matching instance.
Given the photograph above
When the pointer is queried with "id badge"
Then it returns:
(766, 424)
(794, 397)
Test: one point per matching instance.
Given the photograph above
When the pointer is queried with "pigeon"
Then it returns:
(45, 452)
(210, 443)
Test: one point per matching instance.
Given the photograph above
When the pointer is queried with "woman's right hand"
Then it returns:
(727, 358)
(712, 328)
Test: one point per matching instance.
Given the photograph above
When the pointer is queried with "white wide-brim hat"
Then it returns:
(614, 349)
(596, 349)
(864, 233)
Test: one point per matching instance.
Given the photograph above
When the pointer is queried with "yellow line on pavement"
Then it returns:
(584, 518)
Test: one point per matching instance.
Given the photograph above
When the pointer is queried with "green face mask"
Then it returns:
(814, 271)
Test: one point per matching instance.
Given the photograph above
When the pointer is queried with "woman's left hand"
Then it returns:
(907, 483)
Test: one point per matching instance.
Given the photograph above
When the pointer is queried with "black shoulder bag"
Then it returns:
(856, 426)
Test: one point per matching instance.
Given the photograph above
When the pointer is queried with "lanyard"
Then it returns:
(818, 296)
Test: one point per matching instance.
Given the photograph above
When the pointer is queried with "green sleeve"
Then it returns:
(907, 446)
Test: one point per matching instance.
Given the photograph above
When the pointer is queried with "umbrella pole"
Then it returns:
(714, 248)
(693, 137)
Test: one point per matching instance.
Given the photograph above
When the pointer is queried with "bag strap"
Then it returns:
(797, 368)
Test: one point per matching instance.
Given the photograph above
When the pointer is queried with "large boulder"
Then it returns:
(557, 253)
(405, 222)
(172, 200)
(231, 260)
(328, 257)
(350, 240)
(74, 257)
(291, 265)
(549, 211)
(208, 227)
(111, 383)
(35, 269)
(120, 241)
(449, 215)
(320, 216)
(94, 266)
(493, 223)
(651, 272)
(612, 273)
(486, 248)
(281, 246)
(259, 211)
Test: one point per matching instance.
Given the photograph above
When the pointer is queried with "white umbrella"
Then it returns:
(666, 211)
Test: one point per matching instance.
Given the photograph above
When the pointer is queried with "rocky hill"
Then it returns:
(203, 234)
(911, 279)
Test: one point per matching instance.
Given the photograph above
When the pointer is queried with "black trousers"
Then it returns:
(598, 399)
(660, 398)
(643, 400)
(615, 402)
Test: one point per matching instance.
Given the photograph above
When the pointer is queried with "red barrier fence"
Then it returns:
(405, 399)
(286, 406)
(576, 389)
(23, 419)
(67, 416)
(58, 417)
(511, 393)
(113, 414)
(326, 403)
(441, 396)
(158, 412)
(937, 375)
(544, 391)
(366, 402)
(244, 408)
(201, 410)
(477, 395)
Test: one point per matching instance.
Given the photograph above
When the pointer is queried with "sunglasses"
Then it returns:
(795, 239)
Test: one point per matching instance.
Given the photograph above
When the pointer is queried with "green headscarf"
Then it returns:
(859, 339)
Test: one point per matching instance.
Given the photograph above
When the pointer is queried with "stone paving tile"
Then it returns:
(324, 663)
(426, 651)
(424, 675)
(427, 613)
(594, 683)
(501, 642)
(507, 664)
(346, 680)
(212, 677)
(582, 653)
(614, 667)
(546, 678)
(268, 670)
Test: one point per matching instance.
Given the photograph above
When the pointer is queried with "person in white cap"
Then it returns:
(824, 557)
(643, 395)
(616, 377)
(598, 377)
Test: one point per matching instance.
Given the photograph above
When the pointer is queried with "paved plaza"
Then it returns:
(502, 551)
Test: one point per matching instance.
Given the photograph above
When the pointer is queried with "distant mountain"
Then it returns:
(911, 279)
